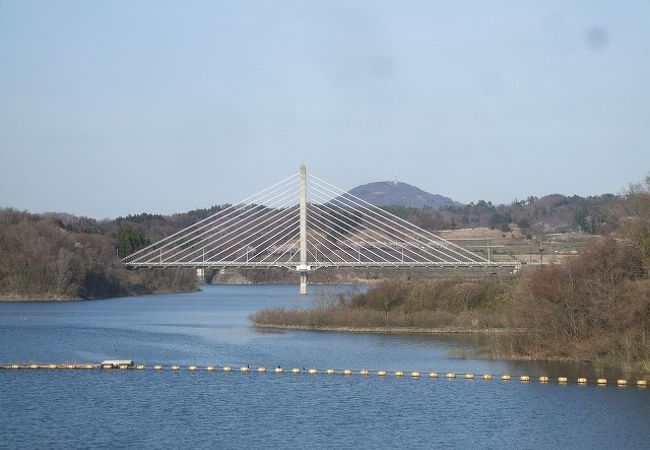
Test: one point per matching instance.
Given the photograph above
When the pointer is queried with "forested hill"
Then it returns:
(58, 256)
(394, 193)
(535, 216)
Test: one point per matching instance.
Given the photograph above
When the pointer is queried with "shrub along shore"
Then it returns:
(596, 307)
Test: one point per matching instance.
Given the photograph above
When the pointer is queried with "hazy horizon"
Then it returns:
(116, 108)
(46, 211)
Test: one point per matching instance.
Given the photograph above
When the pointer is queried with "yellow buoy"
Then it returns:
(621, 382)
(312, 371)
(451, 375)
(176, 367)
(582, 380)
(330, 371)
(641, 383)
(381, 373)
(295, 370)
(210, 368)
(399, 373)
(244, 369)
(487, 377)
(192, 368)
(227, 368)
(524, 378)
(601, 381)
(347, 372)
(279, 370)
(261, 369)
(562, 380)
(415, 374)
(506, 377)
(543, 379)
(140, 367)
(469, 376)
(363, 372)
(157, 367)
(433, 374)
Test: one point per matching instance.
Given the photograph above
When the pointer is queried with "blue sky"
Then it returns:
(110, 108)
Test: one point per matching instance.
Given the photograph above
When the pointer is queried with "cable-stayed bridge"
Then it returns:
(305, 223)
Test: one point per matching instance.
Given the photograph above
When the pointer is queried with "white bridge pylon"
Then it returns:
(304, 224)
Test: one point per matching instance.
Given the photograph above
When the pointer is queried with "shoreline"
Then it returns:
(388, 330)
(20, 298)
(480, 355)
(46, 298)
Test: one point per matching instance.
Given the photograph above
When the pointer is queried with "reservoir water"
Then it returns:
(97, 408)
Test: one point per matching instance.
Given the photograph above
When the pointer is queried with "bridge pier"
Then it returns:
(303, 268)
(303, 283)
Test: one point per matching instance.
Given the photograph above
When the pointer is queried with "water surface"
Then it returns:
(155, 409)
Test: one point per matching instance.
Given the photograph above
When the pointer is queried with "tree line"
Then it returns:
(534, 216)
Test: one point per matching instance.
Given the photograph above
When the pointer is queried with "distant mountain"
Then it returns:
(393, 193)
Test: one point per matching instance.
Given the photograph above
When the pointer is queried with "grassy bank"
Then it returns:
(386, 330)
(402, 304)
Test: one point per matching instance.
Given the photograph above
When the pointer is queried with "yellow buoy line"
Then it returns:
(641, 383)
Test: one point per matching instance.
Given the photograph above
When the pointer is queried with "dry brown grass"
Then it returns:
(393, 303)
(471, 233)
(343, 317)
